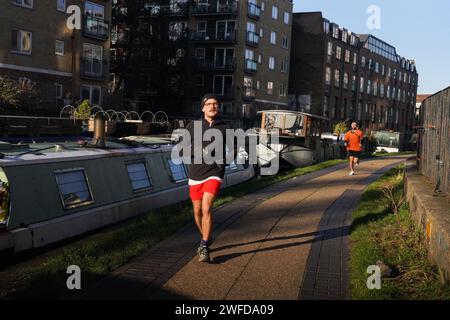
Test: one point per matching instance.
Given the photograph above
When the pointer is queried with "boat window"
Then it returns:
(178, 171)
(73, 187)
(138, 174)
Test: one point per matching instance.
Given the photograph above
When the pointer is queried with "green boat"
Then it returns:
(54, 191)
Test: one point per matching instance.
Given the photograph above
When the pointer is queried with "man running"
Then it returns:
(353, 142)
(205, 179)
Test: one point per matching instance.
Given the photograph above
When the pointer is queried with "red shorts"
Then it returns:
(211, 186)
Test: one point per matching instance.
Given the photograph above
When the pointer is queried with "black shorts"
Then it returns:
(354, 154)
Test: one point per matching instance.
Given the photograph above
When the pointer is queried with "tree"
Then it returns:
(16, 95)
(339, 128)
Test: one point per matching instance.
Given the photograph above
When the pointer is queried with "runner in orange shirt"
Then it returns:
(353, 142)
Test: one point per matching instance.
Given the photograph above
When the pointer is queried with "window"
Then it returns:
(285, 42)
(284, 65)
(347, 56)
(59, 47)
(330, 49)
(269, 87)
(345, 80)
(283, 90)
(24, 3)
(344, 36)
(382, 90)
(275, 12)
(61, 5)
(260, 58)
(223, 85)
(355, 58)
(354, 83)
(273, 37)
(361, 85)
(335, 31)
(338, 53)
(377, 67)
(21, 41)
(58, 90)
(91, 93)
(224, 58)
(263, 6)
(94, 10)
(328, 76)
(178, 171)
(138, 174)
(261, 32)
(73, 188)
(337, 78)
(272, 63)
(286, 17)
(375, 88)
(369, 86)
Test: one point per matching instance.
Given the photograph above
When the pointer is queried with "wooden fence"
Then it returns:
(434, 139)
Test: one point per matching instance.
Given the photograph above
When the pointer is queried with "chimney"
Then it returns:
(99, 139)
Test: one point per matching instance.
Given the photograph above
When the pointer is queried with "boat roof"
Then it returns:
(71, 149)
(297, 113)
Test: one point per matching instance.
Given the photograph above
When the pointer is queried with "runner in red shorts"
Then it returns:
(205, 180)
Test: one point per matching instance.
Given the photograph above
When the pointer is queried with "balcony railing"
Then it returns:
(254, 11)
(94, 69)
(227, 94)
(250, 66)
(252, 38)
(215, 9)
(212, 36)
(218, 64)
(95, 27)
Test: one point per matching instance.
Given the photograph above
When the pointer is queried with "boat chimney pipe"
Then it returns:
(99, 131)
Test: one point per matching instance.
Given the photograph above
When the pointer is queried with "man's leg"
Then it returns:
(207, 215)
(197, 205)
(351, 163)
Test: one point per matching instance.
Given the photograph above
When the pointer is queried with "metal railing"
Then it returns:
(95, 27)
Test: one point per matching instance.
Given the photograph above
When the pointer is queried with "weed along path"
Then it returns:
(288, 241)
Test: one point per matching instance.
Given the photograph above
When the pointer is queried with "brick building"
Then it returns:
(348, 76)
(65, 65)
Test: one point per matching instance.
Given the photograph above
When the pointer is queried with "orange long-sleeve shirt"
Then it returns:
(353, 139)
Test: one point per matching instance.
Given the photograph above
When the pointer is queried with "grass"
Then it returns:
(380, 235)
(97, 255)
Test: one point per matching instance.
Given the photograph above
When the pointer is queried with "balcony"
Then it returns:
(253, 11)
(215, 9)
(213, 37)
(252, 39)
(250, 66)
(217, 65)
(94, 69)
(95, 28)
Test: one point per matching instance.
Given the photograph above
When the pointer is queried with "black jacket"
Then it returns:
(203, 171)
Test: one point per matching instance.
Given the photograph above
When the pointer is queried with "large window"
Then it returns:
(272, 63)
(138, 174)
(94, 10)
(91, 93)
(178, 171)
(21, 41)
(273, 37)
(337, 78)
(328, 76)
(223, 85)
(73, 188)
(275, 12)
(269, 87)
(286, 17)
(24, 3)
(338, 53)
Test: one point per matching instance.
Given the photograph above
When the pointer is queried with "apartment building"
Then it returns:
(236, 49)
(65, 65)
(348, 76)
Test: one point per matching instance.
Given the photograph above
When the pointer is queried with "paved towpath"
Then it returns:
(286, 242)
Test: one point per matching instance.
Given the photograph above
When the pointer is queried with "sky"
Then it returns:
(418, 29)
